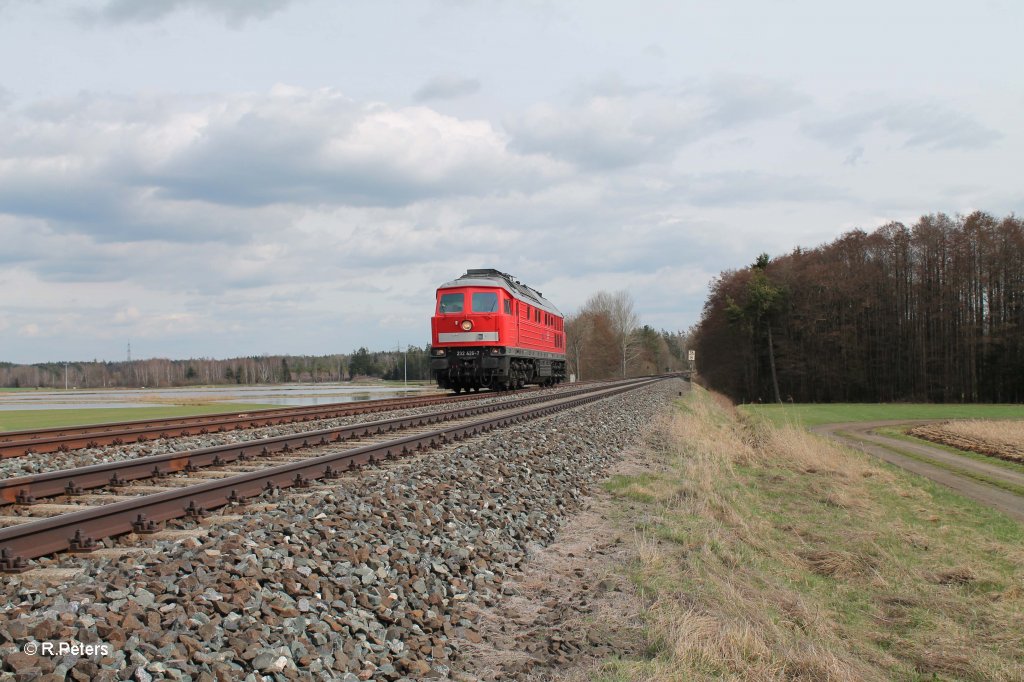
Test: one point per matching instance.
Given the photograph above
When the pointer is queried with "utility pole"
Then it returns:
(65, 375)
(407, 366)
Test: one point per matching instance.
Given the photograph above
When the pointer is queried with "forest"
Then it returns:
(265, 369)
(933, 312)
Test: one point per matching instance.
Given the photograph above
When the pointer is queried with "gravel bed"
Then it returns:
(367, 579)
(37, 463)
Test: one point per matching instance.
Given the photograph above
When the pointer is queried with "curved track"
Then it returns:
(861, 436)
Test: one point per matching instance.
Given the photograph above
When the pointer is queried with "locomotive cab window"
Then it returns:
(451, 303)
(485, 302)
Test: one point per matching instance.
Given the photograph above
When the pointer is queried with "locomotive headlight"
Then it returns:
(496, 351)
(467, 325)
(438, 352)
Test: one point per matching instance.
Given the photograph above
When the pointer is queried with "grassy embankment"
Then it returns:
(18, 420)
(767, 553)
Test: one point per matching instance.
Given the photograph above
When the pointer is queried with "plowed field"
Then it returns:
(1003, 439)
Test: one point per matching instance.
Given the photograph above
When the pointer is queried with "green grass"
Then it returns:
(19, 420)
(808, 414)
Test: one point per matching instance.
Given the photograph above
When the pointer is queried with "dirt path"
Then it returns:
(860, 436)
(571, 608)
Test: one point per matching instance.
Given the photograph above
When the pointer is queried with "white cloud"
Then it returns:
(196, 169)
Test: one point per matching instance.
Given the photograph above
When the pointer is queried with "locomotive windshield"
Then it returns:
(485, 302)
(451, 303)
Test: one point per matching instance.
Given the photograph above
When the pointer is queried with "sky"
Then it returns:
(221, 178)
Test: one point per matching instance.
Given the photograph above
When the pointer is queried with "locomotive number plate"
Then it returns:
(466, 353)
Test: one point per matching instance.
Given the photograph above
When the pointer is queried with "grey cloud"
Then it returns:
(112, 212)
(749, 187)
(57, 196)
(654, 50)
(932, 126)
(854, 157)
(610, 85)
(603, 134)
(734, 100)
(618, 125)
(446, 87)
(222, 169)
(234, 12)
(320, 149)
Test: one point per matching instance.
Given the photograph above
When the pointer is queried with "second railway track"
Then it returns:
(61, 439)
(81, 529)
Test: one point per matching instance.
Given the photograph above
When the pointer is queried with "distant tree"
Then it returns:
(362, 364)
(757, 311)
(578, 328)
(618, 313)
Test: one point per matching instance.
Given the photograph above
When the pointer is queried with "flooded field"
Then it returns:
(285, 394)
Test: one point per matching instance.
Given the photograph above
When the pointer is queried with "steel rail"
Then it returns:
(28, 489)
(79, 531)
(59, 439)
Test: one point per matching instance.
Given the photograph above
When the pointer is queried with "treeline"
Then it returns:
(604, 339)
(266, 369)
(933, 312)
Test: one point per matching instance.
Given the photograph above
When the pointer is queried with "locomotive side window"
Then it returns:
(508, 306)
(451, 303)
(485, 302)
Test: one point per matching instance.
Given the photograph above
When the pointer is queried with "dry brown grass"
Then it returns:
(998, 438)
(771, 554)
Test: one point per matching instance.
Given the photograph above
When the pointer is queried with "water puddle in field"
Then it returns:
(290, 394)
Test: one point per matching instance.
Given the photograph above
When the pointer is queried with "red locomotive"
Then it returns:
(491, 331)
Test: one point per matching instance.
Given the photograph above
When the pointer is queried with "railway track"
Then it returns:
(62, 439)
(190, 483)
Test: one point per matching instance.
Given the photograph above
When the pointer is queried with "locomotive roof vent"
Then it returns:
(523, 289)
